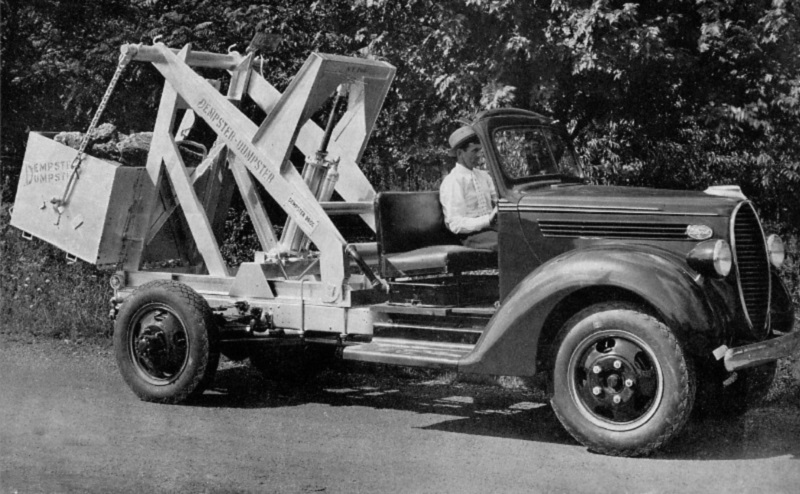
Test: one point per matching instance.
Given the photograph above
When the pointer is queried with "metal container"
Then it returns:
(102, 210)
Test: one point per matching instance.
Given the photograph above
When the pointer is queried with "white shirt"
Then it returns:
(466, 208)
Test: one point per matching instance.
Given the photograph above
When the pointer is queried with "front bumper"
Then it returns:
(742, 357)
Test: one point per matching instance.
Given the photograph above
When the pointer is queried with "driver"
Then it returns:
(467, 194)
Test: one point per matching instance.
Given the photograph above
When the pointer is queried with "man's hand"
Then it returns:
(493, 221)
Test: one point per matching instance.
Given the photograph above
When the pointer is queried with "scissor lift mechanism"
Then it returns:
(260, 153)
(264, 150)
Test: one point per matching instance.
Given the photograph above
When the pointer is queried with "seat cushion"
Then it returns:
(410, 220)
(440, 259)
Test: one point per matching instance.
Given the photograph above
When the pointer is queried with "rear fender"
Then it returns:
(509, 343)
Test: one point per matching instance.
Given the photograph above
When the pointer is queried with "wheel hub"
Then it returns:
(615, 380)
(610, 375)
(159, 346)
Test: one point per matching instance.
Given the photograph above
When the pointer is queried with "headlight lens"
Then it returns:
(777, 253)
(722, 257)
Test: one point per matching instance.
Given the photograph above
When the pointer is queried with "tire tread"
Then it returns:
(206, 368)
(687, 384)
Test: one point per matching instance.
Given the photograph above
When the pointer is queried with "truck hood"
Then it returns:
(599, 198)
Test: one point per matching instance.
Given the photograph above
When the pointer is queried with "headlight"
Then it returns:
(712, 257)
(722, 258)
(776, 251)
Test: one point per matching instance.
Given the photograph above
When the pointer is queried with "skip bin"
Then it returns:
(104, 214)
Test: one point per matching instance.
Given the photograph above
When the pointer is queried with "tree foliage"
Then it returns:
(670, 93)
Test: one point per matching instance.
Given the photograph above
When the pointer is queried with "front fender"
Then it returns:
(508, 345)
(781, 308)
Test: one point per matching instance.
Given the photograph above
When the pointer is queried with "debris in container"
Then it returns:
(107, 143)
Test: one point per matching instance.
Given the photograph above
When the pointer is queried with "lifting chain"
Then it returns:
(125, 57)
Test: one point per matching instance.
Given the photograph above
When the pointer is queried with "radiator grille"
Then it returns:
(752, 267)
(612, 229)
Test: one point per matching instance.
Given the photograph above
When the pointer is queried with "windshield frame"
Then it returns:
(509, 182)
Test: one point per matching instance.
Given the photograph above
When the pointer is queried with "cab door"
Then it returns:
(529, 159)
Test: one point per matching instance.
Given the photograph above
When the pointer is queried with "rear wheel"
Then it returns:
(621, 382)
(165, 342)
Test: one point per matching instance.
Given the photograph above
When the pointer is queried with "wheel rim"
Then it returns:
(158, 344)
(616, 380)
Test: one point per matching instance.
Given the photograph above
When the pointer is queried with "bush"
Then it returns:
(42, 295)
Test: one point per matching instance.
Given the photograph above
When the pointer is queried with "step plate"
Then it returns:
(410, 353)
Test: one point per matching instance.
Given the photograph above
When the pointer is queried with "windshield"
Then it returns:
(528, 153)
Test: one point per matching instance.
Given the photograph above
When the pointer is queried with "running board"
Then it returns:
(408, 352)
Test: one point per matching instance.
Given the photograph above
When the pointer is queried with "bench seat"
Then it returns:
(413, 239)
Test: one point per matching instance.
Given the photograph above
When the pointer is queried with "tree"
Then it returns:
(674, 93)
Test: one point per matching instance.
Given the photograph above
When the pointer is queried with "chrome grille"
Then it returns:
(612, 229)
(752, 267)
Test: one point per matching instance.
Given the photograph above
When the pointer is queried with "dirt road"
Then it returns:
(69, 424)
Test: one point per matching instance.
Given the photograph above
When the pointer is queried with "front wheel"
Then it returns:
(165, 342)
(622, 384)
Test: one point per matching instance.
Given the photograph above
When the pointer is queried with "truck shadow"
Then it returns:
(465, 408)
(769, 431)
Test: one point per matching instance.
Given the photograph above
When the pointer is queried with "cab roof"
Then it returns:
(512, 112)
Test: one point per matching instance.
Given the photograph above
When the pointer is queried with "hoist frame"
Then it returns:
(259, 154)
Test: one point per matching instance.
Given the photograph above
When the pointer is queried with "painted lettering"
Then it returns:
(243, 148)
(47, 172)
(304, 216)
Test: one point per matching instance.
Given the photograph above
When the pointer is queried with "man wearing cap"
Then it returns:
(468, 195)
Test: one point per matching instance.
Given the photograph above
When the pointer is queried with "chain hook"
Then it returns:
(59, 203)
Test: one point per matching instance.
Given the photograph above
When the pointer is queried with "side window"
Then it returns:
(561, 153)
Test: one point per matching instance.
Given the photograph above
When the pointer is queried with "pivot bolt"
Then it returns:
(617, 364)
(596, 369)
(596, 390)
(628, 383)
(617, 399)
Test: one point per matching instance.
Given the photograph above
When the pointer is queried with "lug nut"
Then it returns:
(617, 364)
(628, 383)
(617, 399)
(596, 369)
(596, 390)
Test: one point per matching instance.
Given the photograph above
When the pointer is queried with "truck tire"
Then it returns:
(622, 384)
(721, 394)
(292, 364)
(165, 342)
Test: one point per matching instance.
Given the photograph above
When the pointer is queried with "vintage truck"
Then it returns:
(636, 305)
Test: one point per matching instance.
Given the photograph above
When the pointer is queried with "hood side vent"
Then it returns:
(613, 229)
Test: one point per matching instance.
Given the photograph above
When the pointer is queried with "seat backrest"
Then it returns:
(410, 220)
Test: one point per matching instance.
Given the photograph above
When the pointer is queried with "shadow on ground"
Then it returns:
(769, 431)
(466, 408)
(772, 430)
